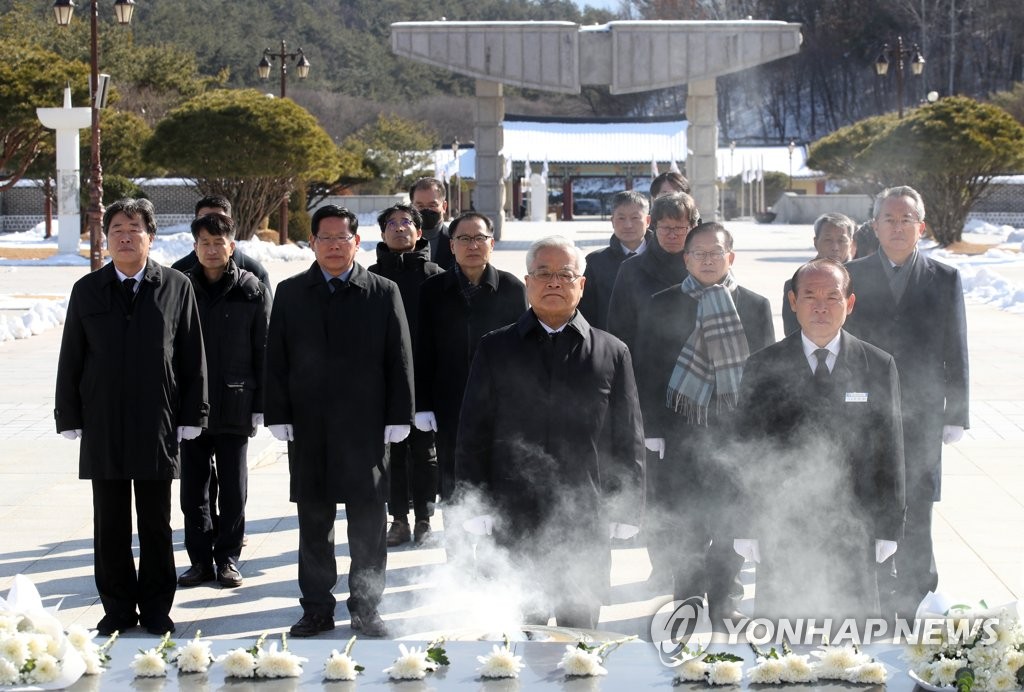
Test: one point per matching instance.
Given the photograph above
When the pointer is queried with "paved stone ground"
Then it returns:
(45, 511)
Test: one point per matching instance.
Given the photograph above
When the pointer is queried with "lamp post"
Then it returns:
(456, 204)
(123, 10)
(899, 54)
(302, 70)
(792, 148)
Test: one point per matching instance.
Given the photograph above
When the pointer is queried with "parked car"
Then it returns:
(586, 206)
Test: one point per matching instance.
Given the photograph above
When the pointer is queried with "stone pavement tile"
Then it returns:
(970, 582)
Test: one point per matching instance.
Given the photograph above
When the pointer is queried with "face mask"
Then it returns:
(430, 218)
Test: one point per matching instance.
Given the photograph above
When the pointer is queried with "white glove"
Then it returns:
(396, 433)
(622, 531)
(479, 526)
(951, 434)
(656, 444)
(748, 548)
(72, 434)
(257, 420)
(188, 432)
(282, 431)
(426, 421)
(884, 550)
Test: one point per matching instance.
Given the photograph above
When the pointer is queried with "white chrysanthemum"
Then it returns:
(81, 638)
(500, 663)
(194, 657)
(340, 667)
(918, 655)
(725, 673)
(944, 670)
(93, 664)
(577, 662)
(8, 673)
(15, 650)
(926, 673)
(1002, 680)
(833, 661)
(692, 670)
(149, 664)
(47, 669)
(987, 656)
(238, 663)
(768, 671)
(9, 623)
(278, 664)
(412, 664)
(798, 668)
(873, 673)
(38, 644)
(1015, 660)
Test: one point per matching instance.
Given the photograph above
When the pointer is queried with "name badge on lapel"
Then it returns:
(856, 397)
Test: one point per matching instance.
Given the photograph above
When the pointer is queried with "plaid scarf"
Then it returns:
(711, 361)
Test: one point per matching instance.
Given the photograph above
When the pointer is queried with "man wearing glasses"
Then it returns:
(689, 360)
(912, 307)
(339, 390)
(456, 309)
(551, 434)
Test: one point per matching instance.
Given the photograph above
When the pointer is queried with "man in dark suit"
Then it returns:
(693, 343)
(833, 238)
(550, 433)
(630, 237)
(456, 309)
(427, 196)
(131, 382)
(912, 306)
(820, 459)
(339, 390)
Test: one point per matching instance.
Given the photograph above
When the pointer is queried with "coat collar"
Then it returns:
(359, 276)
(153, 273)
(490, 278)
(528, 324)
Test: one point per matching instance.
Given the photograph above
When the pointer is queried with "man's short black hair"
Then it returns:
(827, 264)
(469, 215)
(413, 212)
(334, 211)
(708, 227)
(131, 208)
(676, 179)
(214, 202)
(214, 224)
(435, 184)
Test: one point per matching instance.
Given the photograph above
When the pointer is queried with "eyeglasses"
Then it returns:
(700, 255)
(467, 240)
(395, 224)
(334, 240)
(903, 222)
(672, 230)
(562, 277)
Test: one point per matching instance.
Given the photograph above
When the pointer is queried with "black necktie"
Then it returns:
(821, 372)
(129, 291)
(336, 285)
(631, 253)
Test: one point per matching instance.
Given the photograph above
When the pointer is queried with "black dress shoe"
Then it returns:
(157, 624)
(229, 576)
(111, 623)
(311, 624)
(196, 575)
(369, 624)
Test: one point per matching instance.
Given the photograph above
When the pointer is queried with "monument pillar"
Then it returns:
(489, 197)
(67, 121)
(702, 139)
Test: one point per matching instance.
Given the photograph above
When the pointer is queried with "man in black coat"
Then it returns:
(427, 196)
(820, 459)
(550, 433)
(912, 306)
(339, 390)
(456, 309)
(630, 237)
(833, 238)
(216, 204)
(661, 266)
(234, 308)
(404, 257)
(131, 382)
(689, 360)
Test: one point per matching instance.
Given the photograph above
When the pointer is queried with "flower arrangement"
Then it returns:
(194, 657)
(977, 650)
(257, 662)
(96, 656)
(341, 666)
(152, 663)
(582, 660)
(500, 663)
(414, 663)
(714, 669)
(845, 663)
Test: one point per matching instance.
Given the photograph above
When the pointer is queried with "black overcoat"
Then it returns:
(602, 268)
(129, 379)
(339, 369)
(409, 270)
(234, 314)
(926, 333)
(638, 279)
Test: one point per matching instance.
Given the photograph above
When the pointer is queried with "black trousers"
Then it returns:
(901, 589)
(214, 523)
(413, 472)
(367, 547)
(121, 589)
(445, 462)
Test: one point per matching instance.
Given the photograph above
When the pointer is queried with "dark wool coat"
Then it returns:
(339, 369)
(234, 314)
(926, 333)
(440, 242)
(823, 475)
(602, 268)
(241, 259)
(449, 331)
(129, 379)
(409, 270)
(530, 437)
(638, 279)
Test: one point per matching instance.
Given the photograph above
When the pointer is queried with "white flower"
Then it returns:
(834, 660)
(500, 663)
(798, 669)
(945, 670)
(725, 672)
(768, 671)
(340, 666)
(14, 649)
(694, 669)
(47, 669)
(8, 673)
(149, 664)
(81, 638)
(1002, 680)
(194, 657)
(238, 663)
(874, 673)
(39, 644)
(918, 655)
(278, 664)
(93, 664)
(1015, 660)
(9, 623)
(411, 664)
(580, 662)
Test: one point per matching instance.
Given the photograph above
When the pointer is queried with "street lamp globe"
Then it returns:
(882, 61)
(917, 62)
(123, 10)
(62, 11)
(302, 66)
(264, 68)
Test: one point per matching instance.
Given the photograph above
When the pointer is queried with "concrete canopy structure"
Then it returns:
(626, 56)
